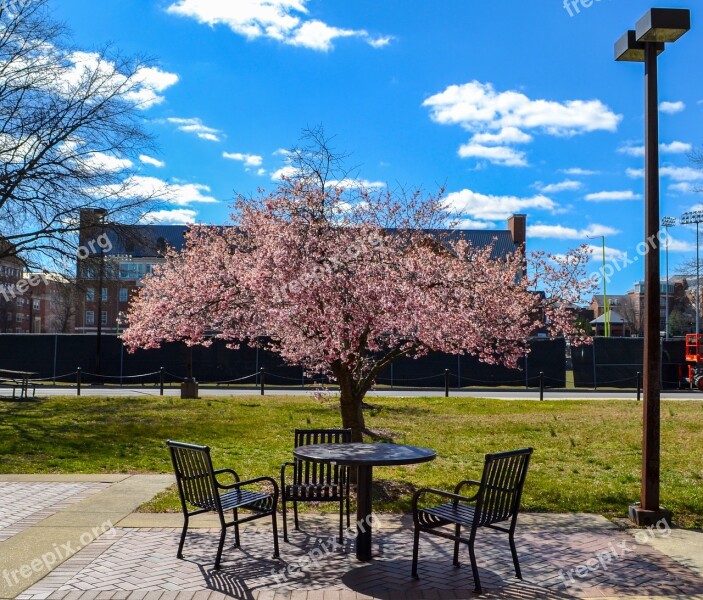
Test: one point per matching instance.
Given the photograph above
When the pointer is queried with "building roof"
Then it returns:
(145, 241)
(615, 319)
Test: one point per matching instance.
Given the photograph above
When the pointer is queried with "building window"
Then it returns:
(124, 294)
(90, 294)
(36, 305)
(9, 316)
(103, 317)
(20, 301)
(18, 317)
(104, 295)
(89, 317)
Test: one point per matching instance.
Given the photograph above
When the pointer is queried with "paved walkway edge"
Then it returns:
(29, 556)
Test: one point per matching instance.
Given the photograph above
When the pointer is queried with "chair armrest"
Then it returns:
(461, 484)
(424, 491)
(251, 481)
(283, 472)
(230, 471)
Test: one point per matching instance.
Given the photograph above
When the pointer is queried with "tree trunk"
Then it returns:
(350, 403)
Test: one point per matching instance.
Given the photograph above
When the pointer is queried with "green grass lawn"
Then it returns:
(587, 453)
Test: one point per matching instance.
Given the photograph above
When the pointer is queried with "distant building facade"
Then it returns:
(107, 280)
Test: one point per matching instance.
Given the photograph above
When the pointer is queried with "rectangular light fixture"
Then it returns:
(663, 25)
(628, 49)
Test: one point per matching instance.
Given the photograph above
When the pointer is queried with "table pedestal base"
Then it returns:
(363, 512)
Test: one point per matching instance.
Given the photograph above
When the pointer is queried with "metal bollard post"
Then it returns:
(446, 383)
(639, 386)
(263, 386)
(161, 381)
(78, 380)
(541, 386)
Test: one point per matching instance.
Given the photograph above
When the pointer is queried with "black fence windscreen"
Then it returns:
(56, 356)
(615, 362)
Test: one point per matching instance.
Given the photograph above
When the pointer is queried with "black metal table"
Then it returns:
(365, 457)
(18, 379)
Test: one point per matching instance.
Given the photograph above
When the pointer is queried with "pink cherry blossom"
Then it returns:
(346, 288)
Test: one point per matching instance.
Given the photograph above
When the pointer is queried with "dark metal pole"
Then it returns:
(161, 381)
(639, 386)
(99, 316)
(652, 349)
(263, 385)
(446, 383)
(78, 381)
(541, 386)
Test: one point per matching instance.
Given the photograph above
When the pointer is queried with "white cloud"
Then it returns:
(356, 184)
(249, 160)
(261, 172)
(611, 254)
(682, 173)
(282, 20)
(197, 127)
(560, 232)
(154, 162)
(613, 196)
(635, 173)
(683, 187)
(555, 188)
(472, 224)
(672, 107)
(144, 89)
(478, 107)
(502, 118)
(676, 148)
(679, 246)
(287, 171)
(178, 194)
(100, 161)
(672, 148)
(579, 171)
(507, 135)
(498, 155)
(180, 216)
(494, 208)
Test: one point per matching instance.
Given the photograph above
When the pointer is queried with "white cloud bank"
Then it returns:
(568, 185)
(150, 160)
(180, 216)
(285, 21)
(613, 196)
(672, 108)
(498, 120)
(474, 205)
(249, 160)
(559, 232)
(673, 148)
(196, 127)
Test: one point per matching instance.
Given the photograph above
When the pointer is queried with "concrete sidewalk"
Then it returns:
(81, 540)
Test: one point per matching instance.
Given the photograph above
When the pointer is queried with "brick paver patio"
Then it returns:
(562, 556)
(23, 504)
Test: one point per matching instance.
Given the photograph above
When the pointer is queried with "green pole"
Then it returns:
(606, 306)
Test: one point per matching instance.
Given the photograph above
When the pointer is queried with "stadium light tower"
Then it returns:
(666, 223)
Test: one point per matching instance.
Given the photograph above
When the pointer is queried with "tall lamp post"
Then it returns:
(606, 304)
(689, 218)
(644, 44)
(666, 223)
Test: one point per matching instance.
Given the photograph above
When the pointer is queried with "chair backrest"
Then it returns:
(194, 474)
(308, 472)
(503, 478)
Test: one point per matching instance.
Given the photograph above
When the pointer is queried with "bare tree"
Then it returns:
(70, 135)
(632, 313)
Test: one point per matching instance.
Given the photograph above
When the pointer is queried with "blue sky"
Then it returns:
(513, 105)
